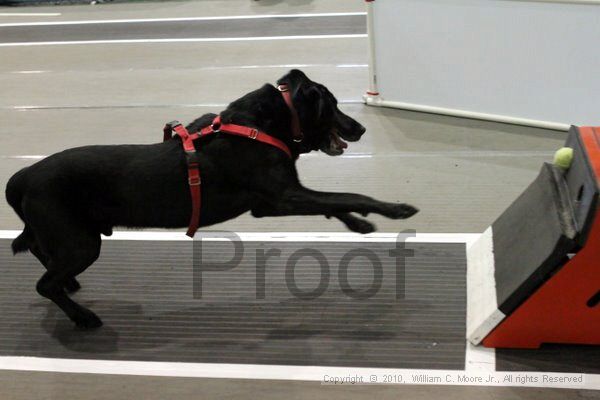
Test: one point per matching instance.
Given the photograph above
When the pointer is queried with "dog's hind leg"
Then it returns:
(71, 285)
(66, 247)
(62, 267)
(51, 285)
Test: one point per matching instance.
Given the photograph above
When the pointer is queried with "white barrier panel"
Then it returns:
(524, 62)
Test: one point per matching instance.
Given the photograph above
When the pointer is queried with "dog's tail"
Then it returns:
(21, 242)
(14, 196)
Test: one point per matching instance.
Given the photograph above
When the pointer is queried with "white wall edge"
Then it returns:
(372, 59)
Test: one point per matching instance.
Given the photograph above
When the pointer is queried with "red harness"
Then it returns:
(187, 141)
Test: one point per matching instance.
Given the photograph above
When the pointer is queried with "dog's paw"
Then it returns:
(361, 226)
(400, 211)
(86, 319)
(72, 285)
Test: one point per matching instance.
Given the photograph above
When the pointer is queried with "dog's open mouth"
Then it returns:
(336, 144)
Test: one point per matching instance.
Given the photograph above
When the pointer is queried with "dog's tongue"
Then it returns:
(337, 141)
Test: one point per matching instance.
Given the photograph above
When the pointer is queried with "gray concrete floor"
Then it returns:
(53, 386)
(460, 173)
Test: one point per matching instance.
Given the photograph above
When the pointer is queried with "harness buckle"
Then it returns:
(216, 128)
(169, 129)
(194, 181)
(253, 133)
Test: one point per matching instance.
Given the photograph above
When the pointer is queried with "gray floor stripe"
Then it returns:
(286, 26)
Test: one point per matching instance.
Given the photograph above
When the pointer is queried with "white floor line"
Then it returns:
(216, 236)
(365, 155)
(134, 105)
(183, 40)
(300, 373)
(182, 19)
(206, 68)
(107, 106)
(451, 153)
(26, 157)
(212, 68)
(16, 14)
(28, 72)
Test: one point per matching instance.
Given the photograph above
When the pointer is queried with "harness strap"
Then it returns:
(245, 131)
(191, 159)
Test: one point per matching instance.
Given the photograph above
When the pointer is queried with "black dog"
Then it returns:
(68, 199)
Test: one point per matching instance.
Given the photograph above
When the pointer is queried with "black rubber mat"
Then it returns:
(276, 26)
(148, 294)
(550, 358)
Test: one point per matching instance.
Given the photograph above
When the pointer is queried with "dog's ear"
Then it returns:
(312, 97)
(307, 96)
(295, 78)
(298, 76)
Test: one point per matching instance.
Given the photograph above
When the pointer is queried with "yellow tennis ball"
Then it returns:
(563, 157)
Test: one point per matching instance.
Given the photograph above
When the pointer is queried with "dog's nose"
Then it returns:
(361, 130)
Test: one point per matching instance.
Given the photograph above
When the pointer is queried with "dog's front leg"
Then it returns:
(355, 224)
(298, 200)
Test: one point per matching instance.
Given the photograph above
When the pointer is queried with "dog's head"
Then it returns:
(323, 125)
